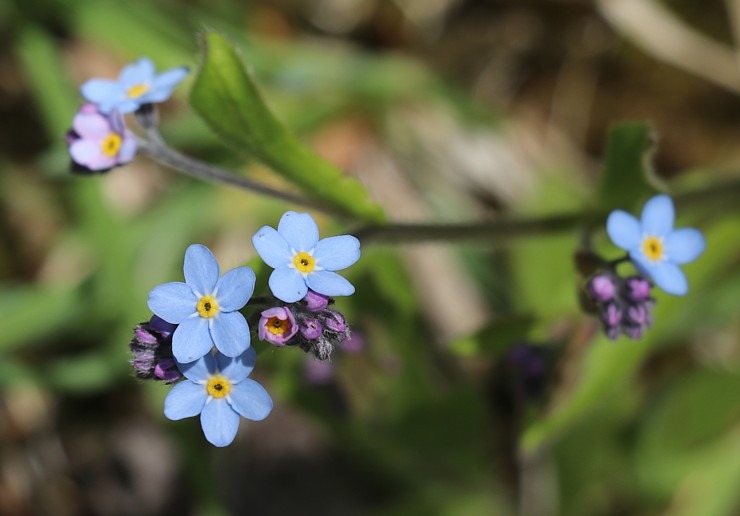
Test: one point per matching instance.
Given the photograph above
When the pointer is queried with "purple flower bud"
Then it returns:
(612, 333)
(277, 326)
(311, 329)
(315, 302)
(152, 350)
(611, 315)
(636, 315)
(637, 289)
(602, 288)
(335, 321)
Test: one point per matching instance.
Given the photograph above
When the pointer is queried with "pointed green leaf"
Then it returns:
(227, 98)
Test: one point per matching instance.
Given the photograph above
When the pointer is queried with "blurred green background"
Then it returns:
(446, 110)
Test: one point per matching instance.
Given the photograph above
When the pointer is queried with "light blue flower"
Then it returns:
(302, 261)
(217, 388)
(654, 246)
(137, 84)
(205, 307)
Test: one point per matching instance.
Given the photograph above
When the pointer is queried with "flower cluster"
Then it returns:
(624, 304)
(199, 338)
(98, 140)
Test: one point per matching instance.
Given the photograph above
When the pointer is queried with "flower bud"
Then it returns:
(636, 289)
(152, 350)
(315, 302)
(311, 329)
(602, 288)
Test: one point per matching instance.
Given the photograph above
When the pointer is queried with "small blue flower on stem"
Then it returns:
(654, 246)
(137, 84)
(217, 388)
(205, 307)
(302, 261)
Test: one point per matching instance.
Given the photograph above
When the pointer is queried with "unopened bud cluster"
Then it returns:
(308, 324)
(624, 305)
(152, 351)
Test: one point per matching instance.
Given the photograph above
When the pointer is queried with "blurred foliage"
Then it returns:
(412, 425)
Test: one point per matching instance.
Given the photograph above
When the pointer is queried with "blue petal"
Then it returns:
(140, 72)
(623, 229)
(238, 368)
(191, 339)
(336, 253)
(101, 91)
(657, 216)
(684, 245)
(300, 230)
(670, 278)
(329, 284)
(173, 302)
(250, 400)
(219, 422)
(287, 284)
(272, 247)
(123, 106)
(186, 399)
(199, 370)
(230, 333)
(170, 78)
(234, 288)
(201, 269)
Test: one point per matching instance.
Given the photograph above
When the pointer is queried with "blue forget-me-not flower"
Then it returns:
(205, 307)
(654, 246)
(137, 84)
(217, 388)
(302, 261)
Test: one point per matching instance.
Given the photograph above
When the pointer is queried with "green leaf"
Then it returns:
(627, 175)
(227, 99)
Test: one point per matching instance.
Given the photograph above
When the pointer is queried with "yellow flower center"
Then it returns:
(652, 247)
(137, 90)
(111, 145)
(277, 326)
(207, 307)
(304, 262)
(218, 386)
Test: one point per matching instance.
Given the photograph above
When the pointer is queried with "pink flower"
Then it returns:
(98, 142)
(277, 326)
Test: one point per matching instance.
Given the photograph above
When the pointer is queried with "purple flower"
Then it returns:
(315, 302)
(602, 287)
(636, 289)
(277, 326)
(138, 84)
(98, 142)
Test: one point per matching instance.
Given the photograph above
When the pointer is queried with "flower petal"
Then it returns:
(128, 149)
(238, 368)
(219, 422)
(199, 370)
(230, 333)
(338, 252)
(250, 400)
(173, 302)
(623, 229)
(684, 245)
(300, 230)
(234, 288)
(140, 72)
(287, 284)
(169, 79)
(657, 216)
(329, 284)
(201, 269)
(191, 339)
(186, 399)
(670, 278)
(272, 247)
(88, 153)
(123, 106)
(91, 125)
(102, 91)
